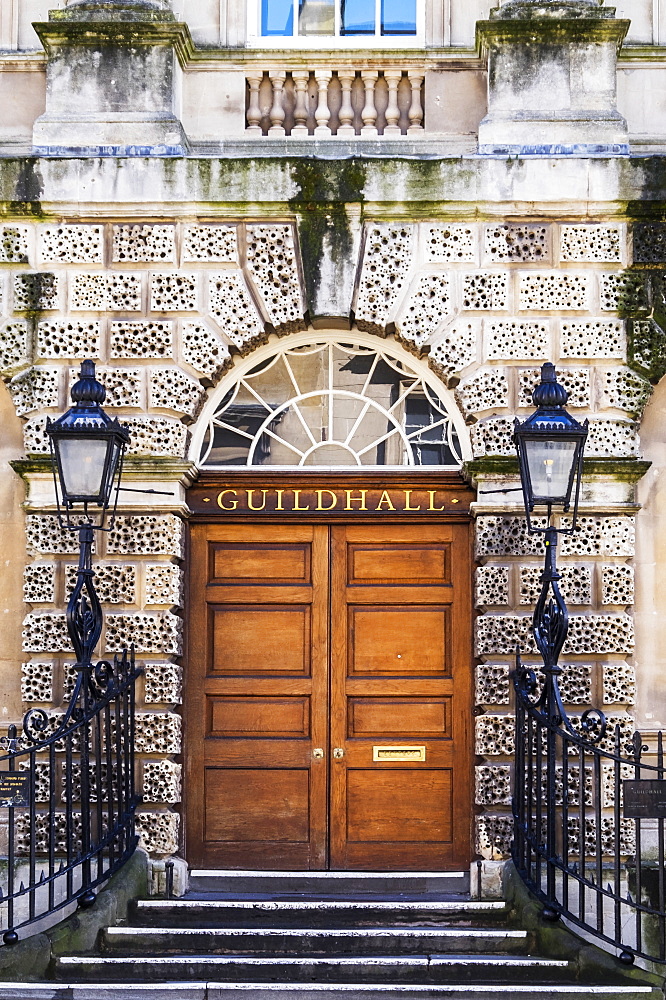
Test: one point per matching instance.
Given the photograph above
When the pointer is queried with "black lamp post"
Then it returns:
(87, 448)
(550, 447)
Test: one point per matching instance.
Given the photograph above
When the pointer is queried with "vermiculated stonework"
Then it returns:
(165, 306)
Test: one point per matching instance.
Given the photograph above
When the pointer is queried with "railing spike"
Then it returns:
(22, 887)
(629, 899)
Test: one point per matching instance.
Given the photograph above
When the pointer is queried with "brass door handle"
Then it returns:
(317, 753)
(338, 753)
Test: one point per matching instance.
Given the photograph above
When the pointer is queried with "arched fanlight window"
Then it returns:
(336, 402)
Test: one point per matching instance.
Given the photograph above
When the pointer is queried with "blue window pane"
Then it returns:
(358, 17)
(398, 17)
(277, 17)
(316, 17)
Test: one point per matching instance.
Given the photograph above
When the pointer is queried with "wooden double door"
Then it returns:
(328, 720)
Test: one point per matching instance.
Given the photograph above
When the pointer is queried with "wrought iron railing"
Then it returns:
(68, 786)
(580, 844)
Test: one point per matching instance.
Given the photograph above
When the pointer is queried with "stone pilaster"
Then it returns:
(552, 79)
(112, 80)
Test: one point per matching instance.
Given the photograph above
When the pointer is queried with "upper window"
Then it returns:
(315, 21)
(332, 403)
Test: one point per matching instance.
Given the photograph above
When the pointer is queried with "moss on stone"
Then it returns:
(647, 339)
(625, 470)
(590, 962)
(492, 466)
(324, 190)
(31, 958)
(21, 189)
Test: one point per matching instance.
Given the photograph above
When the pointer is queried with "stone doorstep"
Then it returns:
(285, 941)
(443, 906)
(315, 991)
(388, 932)
(382, 884)
(367, 961)
(329, 876)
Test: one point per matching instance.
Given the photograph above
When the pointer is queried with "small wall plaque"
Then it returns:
(398, 753)
(645, 799)
(14, 789)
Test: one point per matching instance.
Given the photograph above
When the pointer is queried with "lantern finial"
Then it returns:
(549, 392)
(88, 389)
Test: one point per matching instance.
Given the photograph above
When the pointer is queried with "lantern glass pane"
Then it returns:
(83, 461)
(550, 464)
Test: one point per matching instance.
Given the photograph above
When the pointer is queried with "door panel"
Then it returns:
(344, 638)
(400, 677)
(243, 562)
(407, 640)
(284, 646)
(380, 806)
(268, 717)
(259, 629)
(403, 716)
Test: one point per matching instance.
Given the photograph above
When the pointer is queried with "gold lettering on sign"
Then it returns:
(432, 501)
(250, 503)
(222, 495)
(297, 497)
(385, 499)
(408, 494)
(324, 499)
(331, 496)
(356, 499)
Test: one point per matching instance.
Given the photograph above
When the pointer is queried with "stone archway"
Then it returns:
(329, 399)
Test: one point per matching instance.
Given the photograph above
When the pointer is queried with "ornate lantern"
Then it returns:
(87, 447)
(550, 447)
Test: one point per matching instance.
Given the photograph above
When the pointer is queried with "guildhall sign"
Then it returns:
(316, 499)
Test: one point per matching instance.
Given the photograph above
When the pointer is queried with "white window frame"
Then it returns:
(309, 338)
(337, 41)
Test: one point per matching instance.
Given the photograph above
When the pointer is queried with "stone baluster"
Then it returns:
(301, 79)
(416, 107)
(369, 112)
(346, 113)
(254, 116)
(276, 114)
(323, 112)
(393, 78)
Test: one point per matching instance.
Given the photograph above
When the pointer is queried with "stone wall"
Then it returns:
(164, 306)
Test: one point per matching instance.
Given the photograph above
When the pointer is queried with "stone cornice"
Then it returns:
(56, 34)
(391, 186)
(432, 58)
(157, 467)
(169, 477)
(551, 31)
(616, 469)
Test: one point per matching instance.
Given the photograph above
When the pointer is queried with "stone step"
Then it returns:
(309, 941)
(384, 884)
(313, 912)
(206, 990)
(369, 969)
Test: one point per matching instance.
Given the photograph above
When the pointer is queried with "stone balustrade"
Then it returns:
(342, 102)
